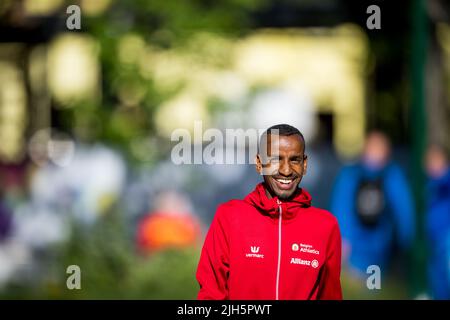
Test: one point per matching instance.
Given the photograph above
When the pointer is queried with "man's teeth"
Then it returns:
(284, 181)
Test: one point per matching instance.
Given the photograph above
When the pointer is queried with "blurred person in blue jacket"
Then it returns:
(438, 221)
(374, 207)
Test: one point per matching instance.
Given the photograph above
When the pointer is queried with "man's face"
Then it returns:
(284, 166)
(376, 150)
(436, 162)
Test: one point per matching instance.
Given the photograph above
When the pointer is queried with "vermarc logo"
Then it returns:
(254, 253)
(254, 249)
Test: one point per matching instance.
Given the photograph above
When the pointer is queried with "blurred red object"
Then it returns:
(161, 231)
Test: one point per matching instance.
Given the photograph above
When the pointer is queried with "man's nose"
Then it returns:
(285, 168)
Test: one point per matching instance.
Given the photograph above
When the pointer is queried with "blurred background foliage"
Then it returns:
(111, 268)
(139, 69)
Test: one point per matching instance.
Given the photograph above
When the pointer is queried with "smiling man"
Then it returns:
(273, 244)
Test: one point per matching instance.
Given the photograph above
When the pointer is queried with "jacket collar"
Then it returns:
(258, 198)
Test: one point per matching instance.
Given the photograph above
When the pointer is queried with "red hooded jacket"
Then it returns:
(266, 249)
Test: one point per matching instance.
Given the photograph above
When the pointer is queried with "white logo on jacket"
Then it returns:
(254, 249)
(313, 263)
(304, 248)
(254, 253)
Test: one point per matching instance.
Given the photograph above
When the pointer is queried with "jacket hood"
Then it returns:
(259, 199)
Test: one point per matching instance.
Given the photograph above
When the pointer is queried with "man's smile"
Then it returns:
(285, 183)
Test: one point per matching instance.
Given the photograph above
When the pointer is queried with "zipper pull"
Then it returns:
(279, 206)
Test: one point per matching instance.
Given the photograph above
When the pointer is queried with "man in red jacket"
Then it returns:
(273, 244)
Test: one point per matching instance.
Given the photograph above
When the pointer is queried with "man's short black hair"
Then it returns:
(282, 130)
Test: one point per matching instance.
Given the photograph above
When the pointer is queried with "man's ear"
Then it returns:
(258, 164)
(305, 165)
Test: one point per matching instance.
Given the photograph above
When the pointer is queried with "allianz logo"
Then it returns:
(314, 263)
(254, 253)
